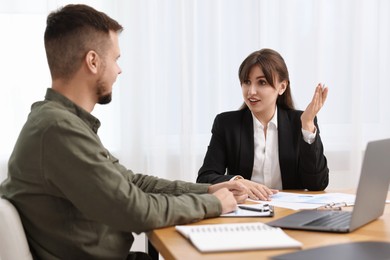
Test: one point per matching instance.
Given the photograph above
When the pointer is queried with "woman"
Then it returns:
(267, 144)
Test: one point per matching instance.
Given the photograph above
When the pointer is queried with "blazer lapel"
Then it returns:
(247, 145)
(286, 148)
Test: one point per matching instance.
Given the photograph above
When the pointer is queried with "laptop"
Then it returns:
(369, 203)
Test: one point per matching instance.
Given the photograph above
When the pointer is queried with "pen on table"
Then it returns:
(254, 209)
(333, 206)
(329, 208)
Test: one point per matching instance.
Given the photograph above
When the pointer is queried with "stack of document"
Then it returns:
(297, 201)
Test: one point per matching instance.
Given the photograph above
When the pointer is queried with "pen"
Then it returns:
(330, 209)
(254, 209)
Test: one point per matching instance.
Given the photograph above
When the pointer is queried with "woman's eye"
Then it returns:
(262, 82)
(246, 82)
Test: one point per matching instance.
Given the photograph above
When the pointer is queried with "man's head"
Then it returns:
(76, 34)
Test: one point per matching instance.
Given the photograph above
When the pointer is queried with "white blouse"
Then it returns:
(266, 169)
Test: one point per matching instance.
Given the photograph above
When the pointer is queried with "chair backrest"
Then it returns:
(13, 241)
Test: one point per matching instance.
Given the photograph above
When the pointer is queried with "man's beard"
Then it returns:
(103, 99)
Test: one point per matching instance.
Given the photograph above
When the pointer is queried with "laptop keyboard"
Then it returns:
(333, 219)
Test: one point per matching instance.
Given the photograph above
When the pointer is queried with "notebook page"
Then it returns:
(237, 236)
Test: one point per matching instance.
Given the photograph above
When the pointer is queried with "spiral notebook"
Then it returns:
(237, 237)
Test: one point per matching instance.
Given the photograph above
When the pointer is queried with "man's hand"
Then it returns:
(238, 190)
(227, 200)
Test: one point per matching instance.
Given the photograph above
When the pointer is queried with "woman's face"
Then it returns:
(259, 95)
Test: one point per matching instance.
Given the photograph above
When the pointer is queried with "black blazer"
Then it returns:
(231, 151)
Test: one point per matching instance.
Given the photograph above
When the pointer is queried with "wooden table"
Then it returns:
(171, 245)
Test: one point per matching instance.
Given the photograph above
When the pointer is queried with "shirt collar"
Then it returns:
(88, 118)
(273, 121)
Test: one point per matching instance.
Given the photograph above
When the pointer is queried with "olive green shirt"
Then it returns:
(76, 200)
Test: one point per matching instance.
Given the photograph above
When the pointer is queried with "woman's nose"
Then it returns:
(251, 89)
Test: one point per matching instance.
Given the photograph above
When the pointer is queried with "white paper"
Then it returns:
(298, 201)
(236, 237)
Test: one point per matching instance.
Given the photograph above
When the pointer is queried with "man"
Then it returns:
(74, 198)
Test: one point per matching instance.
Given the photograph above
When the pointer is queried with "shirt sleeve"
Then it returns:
(237, 177)
(308, 136)
(78, 168)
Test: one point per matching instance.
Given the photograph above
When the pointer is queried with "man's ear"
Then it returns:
(92, 61)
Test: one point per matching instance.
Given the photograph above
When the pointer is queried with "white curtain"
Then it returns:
(180, 61)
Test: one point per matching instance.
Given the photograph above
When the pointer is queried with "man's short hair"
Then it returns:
(71, 32)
